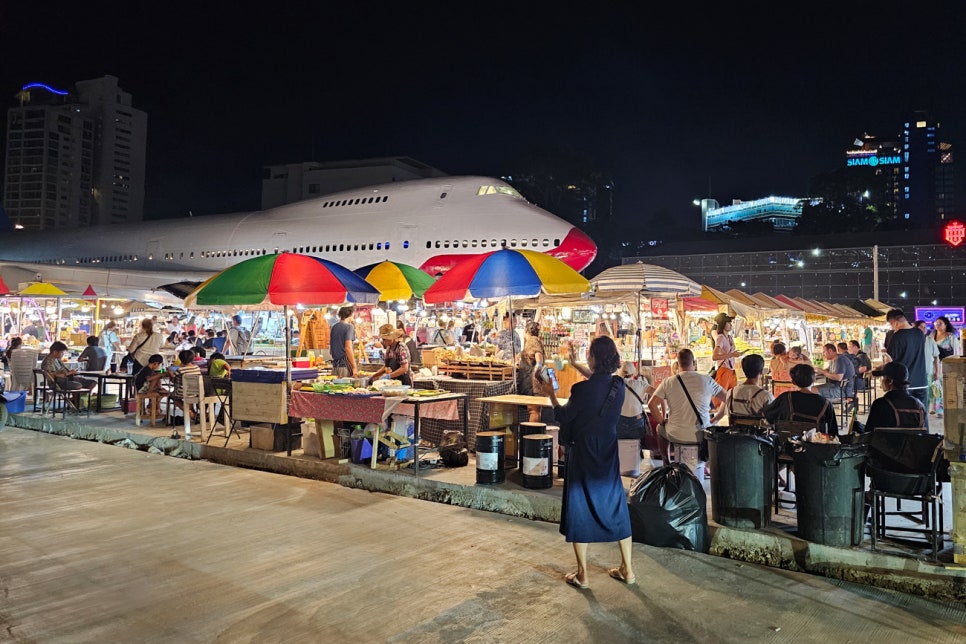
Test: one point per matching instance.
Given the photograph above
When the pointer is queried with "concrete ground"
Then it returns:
(105, 544)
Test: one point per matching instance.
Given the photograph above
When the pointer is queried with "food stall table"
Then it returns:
(433, 428)
(375, 409)
(504, 412)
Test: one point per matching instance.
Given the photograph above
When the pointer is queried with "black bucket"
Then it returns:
(490, 457)
(537, 461)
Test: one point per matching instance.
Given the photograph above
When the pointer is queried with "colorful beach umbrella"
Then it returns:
(506, 273)
(4, 290)
(283, 279)
(42, 289)
(396, 281)
(649, 280)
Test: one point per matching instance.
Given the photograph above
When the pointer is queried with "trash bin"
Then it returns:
(831, 492)
(742, 476)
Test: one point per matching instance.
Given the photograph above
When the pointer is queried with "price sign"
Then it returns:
(659, 307)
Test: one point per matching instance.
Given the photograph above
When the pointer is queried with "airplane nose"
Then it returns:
(577, 250)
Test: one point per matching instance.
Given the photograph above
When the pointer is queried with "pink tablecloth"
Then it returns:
(305, 404)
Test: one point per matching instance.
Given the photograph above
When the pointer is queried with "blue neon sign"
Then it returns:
(873, 161)
(44, 86)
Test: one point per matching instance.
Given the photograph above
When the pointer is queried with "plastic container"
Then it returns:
(831, 492)
(742, 478)
(16, 401)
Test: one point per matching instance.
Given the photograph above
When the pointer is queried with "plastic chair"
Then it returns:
(23, 362)
(904, 465)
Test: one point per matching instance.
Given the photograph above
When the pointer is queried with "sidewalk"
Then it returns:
(892, 566)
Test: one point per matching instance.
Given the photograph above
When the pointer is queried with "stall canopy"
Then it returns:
(647, 279)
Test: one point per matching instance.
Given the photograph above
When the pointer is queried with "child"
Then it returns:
(148, 379)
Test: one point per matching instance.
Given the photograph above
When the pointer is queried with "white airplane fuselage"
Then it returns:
(428, 223)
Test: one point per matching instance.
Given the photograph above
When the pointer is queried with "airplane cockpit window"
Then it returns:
(498, 190)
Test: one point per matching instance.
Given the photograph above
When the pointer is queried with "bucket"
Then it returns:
(537, 464)
(16, 401)
(490, 458)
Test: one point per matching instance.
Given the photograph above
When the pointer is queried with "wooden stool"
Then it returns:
(155, 400)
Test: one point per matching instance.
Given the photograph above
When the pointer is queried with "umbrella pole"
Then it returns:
(513, 340)
(288, 350)
(640, 333)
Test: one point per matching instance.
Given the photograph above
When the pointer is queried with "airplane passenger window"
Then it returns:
(483, 243)
(406, 244)
(446, 244)
(493, 243)
(357, 247)
(503, 243)
(473, 243)
(546, 242)
(523, 242)
(466, 244)
(387, 245)
(379, 246)
(442, 196)
(371, 199)
(385, 199)
(341, 247)
(192, 255)
(180, 257)
(370, 245)
(429, 244)
(556, 242)
(533, 243)
(344, 202)
(357, 202)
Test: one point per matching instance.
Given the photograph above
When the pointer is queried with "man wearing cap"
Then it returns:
(396, 357)
(908, 346)
(895, 408)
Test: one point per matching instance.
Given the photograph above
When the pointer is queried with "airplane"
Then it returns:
(429, 223)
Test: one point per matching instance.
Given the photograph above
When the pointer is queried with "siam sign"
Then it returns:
(954, 233)
(873, 161)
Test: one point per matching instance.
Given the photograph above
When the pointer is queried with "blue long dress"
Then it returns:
(594, 507)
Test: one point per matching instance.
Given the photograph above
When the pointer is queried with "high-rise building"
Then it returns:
(917, 169)
(282, 184)
(74, 158)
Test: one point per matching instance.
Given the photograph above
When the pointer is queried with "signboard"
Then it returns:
(659, 307)
(584, 316)
(954, 233)
(873, 161)
(930, 313)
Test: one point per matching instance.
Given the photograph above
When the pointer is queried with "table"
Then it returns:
(125, 382)
(505, 411)
(433, 428)
(375, 409)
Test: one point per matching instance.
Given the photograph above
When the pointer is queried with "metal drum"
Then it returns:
(525, 430)
(537, 463)
(490, 458)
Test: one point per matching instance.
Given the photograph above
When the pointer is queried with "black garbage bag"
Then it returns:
(669, 509)
(452, 449)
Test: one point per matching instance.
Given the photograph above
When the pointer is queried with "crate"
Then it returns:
(429, 357)
(478, 371)
(259, 402)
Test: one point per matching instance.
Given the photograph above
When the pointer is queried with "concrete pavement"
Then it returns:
(105, 544)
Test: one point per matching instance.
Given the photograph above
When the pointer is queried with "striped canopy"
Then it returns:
(647, 279)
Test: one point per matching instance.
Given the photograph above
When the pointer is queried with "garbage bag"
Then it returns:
(669, 509)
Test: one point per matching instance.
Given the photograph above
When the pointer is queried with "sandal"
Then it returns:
(571, 579)
(615, 573)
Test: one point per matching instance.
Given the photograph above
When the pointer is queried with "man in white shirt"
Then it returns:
(682, 422)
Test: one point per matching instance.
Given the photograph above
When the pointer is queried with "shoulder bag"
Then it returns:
(129, 358)
(698, 424)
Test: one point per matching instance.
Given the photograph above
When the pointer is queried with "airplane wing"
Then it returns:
(144, 286)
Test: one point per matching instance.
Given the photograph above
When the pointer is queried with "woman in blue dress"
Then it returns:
(594, 507)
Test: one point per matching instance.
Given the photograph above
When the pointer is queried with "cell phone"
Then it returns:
(551, 375)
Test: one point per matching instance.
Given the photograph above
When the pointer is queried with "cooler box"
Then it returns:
(16, 401)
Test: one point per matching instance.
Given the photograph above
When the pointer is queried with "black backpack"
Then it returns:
(452, 449)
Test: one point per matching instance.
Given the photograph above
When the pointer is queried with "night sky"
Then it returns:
(751, 98)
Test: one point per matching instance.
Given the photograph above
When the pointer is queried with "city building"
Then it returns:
(914, 268)
(781, 213)
(282, 184)
(74, 157)
(916, 166)
(578, 198)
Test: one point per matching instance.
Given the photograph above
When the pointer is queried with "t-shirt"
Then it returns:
(908, 346)
(95, 357)
(184, 371)
(909, 410)
(633, 406)
(680, 426)
(843, 365)
(801, 406)
(341, 331)
(142, 377)
(748, 401)
(217, 368)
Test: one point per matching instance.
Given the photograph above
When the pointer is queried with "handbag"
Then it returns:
(129, 358)
(698, 425)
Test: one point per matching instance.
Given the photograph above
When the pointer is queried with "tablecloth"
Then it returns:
(432, 429)
(306, 404)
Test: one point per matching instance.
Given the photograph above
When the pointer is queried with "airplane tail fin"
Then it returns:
(5, 223)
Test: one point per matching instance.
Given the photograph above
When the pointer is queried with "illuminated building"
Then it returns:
(917, 169)
(74, 158)
(781, 212)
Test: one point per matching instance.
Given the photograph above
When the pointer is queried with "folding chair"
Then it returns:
(69, 399)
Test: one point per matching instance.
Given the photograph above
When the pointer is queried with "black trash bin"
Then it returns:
(742, 476)
(831, 492)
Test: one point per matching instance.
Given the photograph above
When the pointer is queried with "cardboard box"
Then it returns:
(263, 438)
